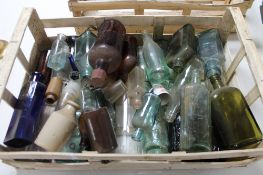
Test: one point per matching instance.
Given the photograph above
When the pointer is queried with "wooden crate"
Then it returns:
(153, 7)
(159, 25)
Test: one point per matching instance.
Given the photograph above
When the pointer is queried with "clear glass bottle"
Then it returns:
(138, 135)
(59, 53)
(83, 44)
(23, 127)
(70, 92)
(105, 56)
(183, 78)
(113, 92)
(136, 87)
(58, 128)
(156, 67)
(144, 117)
(195, 129)
(156, 139)
(174, 134)
(181, 48)
(88, 101)
(124, 128)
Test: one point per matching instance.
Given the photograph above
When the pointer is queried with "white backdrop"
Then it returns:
(9, 13)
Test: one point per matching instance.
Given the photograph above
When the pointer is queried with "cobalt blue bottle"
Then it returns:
(23, 127)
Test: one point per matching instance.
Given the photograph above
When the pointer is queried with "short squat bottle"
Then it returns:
(58, 128)
(113, 92)
(156, 139)
(105, 56)
(156, 67)
(144, 117)
(181, 48)
(83, 44)
(59, 53)
(136, 87)
(195, 129)
(23, 127)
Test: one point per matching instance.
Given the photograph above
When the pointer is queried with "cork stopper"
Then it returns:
(98, 78)
(53, 90)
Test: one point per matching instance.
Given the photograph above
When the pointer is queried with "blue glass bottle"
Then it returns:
(23, 127)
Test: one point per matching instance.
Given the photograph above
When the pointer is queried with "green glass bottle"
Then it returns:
(156, 67)
(156, 139)
(181, 48)
(195, 129)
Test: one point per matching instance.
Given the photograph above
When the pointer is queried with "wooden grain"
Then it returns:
(252, 95)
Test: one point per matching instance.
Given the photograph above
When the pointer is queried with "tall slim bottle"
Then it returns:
(156, 67)
(156, 139)
(23, 127)
(83, 44)
(181, 48)
(195, 129)
(106, 54)
(183, 78)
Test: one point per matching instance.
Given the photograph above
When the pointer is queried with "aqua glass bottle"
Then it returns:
(195, 128)
(182, 48)
(83, 43)
(59, 53)
(156, 67)
(144, 118)
(137, 135)
(156, 139)
(174, 134)
(183, 78)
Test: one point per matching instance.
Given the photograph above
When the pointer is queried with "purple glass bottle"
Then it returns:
(23, 127)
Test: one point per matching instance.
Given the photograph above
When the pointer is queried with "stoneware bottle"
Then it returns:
(58, 128)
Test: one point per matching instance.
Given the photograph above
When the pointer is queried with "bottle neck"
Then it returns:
(216, 81)
(70, 110)
(196, 79)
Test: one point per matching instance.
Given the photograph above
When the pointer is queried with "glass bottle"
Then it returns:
(138, 135)
(58, 128)
(112, 92)
(136, 87)
(83, 44)
(105, 56)
(100, 130)
(195, 129)
(210, 46)
(70, 92)
(156, 139)
(53, 90)
(23, 126)
(129, 60)
(144, 117)
(181, 48)
(232, 117)
(88, 99)
(59, 53)
(183, 78)
(156, 67)
(124, 128)
(174, 134)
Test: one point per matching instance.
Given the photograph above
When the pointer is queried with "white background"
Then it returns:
(9, 13)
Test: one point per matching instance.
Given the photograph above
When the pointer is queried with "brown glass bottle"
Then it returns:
(105, 56)
(100, 131)
(129, 55)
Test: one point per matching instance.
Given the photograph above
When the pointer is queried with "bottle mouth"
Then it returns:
(98, 78)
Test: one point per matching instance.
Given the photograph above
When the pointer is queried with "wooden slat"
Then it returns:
(162, 5)
(231, 70)
(158, 28)
(128, 165)
(23, 60)
(9, 98)
(252, 95)
(93, 156)
(253, 59)
(13, 47)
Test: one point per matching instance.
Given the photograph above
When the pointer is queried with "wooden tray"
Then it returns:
(159, 25)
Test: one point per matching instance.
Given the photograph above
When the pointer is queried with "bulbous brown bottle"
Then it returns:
(129, 60)
(105, 56)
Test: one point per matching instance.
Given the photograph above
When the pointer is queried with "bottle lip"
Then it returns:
(98, 78)
(74, 104)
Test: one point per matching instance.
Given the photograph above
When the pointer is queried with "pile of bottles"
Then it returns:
(109, 93)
